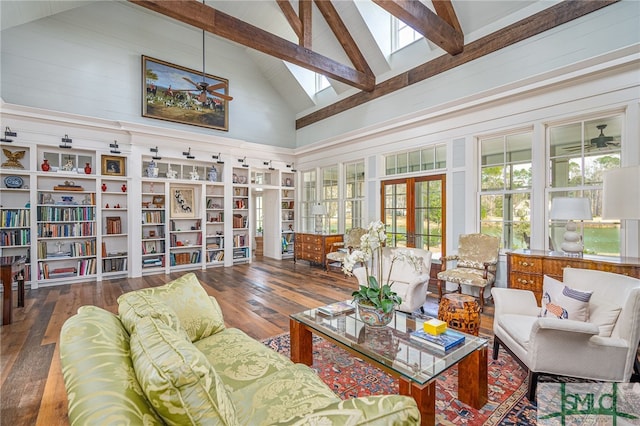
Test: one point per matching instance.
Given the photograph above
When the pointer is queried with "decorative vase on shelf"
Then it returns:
(104, 187)
(45, 167)
(87, 168)
(213, 174)
(124, 187)
(152, 169)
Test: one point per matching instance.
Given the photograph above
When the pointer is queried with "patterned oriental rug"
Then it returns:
(351, 377)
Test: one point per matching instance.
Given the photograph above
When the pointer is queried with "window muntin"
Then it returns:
(577, 159)
(330, 197)
(505, 188)
(354, 195)
(308, 199)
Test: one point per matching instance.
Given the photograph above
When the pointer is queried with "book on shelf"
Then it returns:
(443, 341)
(337, 308)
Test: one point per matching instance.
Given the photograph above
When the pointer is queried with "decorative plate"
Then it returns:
(13, 182)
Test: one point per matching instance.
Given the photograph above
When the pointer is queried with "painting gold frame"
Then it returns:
(113, 165)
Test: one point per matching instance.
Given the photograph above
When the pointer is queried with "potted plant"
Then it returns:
(376, 301)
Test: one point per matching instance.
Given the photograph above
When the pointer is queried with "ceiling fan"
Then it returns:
(599, 142)
(204, 87)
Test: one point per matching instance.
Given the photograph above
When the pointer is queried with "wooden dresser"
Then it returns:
(526, 268)
(314, 247)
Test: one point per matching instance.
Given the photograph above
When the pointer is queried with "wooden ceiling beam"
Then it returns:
(291, 16)
(542, 21)
(343, 35)
(423, 20)
(444, 9)
(305, 7)
(194, 13)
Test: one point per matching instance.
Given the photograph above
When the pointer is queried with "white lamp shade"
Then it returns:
(318, 210)
(621, 193)
(567, 208)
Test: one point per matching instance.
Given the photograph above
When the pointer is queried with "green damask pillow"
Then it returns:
(176, 377)
(198, 314)
(138, 305)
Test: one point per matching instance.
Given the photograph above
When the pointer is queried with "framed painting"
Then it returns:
(182, 95)
(113, 166)
(182, 202)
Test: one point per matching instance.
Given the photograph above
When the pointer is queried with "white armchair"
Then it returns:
(604, 347)
(410, 284)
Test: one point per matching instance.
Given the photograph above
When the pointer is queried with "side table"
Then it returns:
(461, 312)
(11, 266)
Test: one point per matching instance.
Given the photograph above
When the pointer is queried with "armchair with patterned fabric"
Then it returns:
(477, 260)
(340, 250)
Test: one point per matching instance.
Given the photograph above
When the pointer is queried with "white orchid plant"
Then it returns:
(377, 292)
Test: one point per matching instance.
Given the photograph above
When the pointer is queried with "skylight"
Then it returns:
(401, 34)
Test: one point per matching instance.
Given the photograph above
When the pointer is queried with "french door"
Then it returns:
(414, 211)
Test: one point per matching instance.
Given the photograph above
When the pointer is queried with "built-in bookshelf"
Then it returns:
(214, 227)
(185, 226)
(241, 238)
(287, 212)
(15, 207)
(66, 224)
(154, 225)
(114, 196)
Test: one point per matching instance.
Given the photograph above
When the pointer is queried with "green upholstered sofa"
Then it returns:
(167, 358)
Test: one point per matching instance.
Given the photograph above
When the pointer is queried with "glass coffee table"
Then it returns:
(391, 349)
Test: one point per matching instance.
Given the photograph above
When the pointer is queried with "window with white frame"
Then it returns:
(354, 195)
(402, 34)
(308, 200)
(433, 157)
(505, 188)
(330, 198)
(578, 154)
(321, 82)
(259, 212)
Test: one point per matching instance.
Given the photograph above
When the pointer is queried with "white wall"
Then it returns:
(87, 61)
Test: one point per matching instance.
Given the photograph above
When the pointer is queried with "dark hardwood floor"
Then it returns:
(257, 298)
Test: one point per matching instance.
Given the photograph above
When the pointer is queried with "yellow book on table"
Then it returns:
(434, 326)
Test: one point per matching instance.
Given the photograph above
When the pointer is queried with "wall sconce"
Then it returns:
(268, 163)
(290, 166)
(114, 147)
(188, 154)
(8, 134)
(570, 209)
(66, 140)
(243, 161)
(218, 158)
(156, 156)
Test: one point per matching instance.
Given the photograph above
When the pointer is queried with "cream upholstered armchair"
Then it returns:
(476, 264)
(339, 251)
(409, 283)
(585, 336)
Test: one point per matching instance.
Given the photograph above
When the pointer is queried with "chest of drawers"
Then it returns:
(526, 268)
(314, 247)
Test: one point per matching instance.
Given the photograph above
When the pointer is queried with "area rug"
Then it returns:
(351, 377)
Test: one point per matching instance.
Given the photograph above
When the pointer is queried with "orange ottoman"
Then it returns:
(461, 312)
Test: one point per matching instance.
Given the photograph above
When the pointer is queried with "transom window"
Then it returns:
(433, 157)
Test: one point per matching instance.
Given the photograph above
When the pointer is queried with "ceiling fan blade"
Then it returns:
(216, 86)
(220, 95)
(197, 85)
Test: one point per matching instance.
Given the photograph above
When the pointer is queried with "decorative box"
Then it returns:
(434, 326)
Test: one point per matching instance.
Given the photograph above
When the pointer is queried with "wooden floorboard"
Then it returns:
(257, 298)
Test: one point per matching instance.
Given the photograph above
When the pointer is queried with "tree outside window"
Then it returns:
(505, 188)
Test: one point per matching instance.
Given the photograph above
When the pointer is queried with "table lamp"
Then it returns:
(570, 209)
(318, 210)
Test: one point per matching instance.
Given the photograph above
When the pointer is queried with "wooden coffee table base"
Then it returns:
(472, 374)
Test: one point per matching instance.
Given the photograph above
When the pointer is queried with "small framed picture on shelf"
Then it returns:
(113, 166)
(158, 201)
(182, 202)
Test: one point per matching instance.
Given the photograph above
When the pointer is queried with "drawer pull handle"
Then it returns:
(524, 263)
(522, 281)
